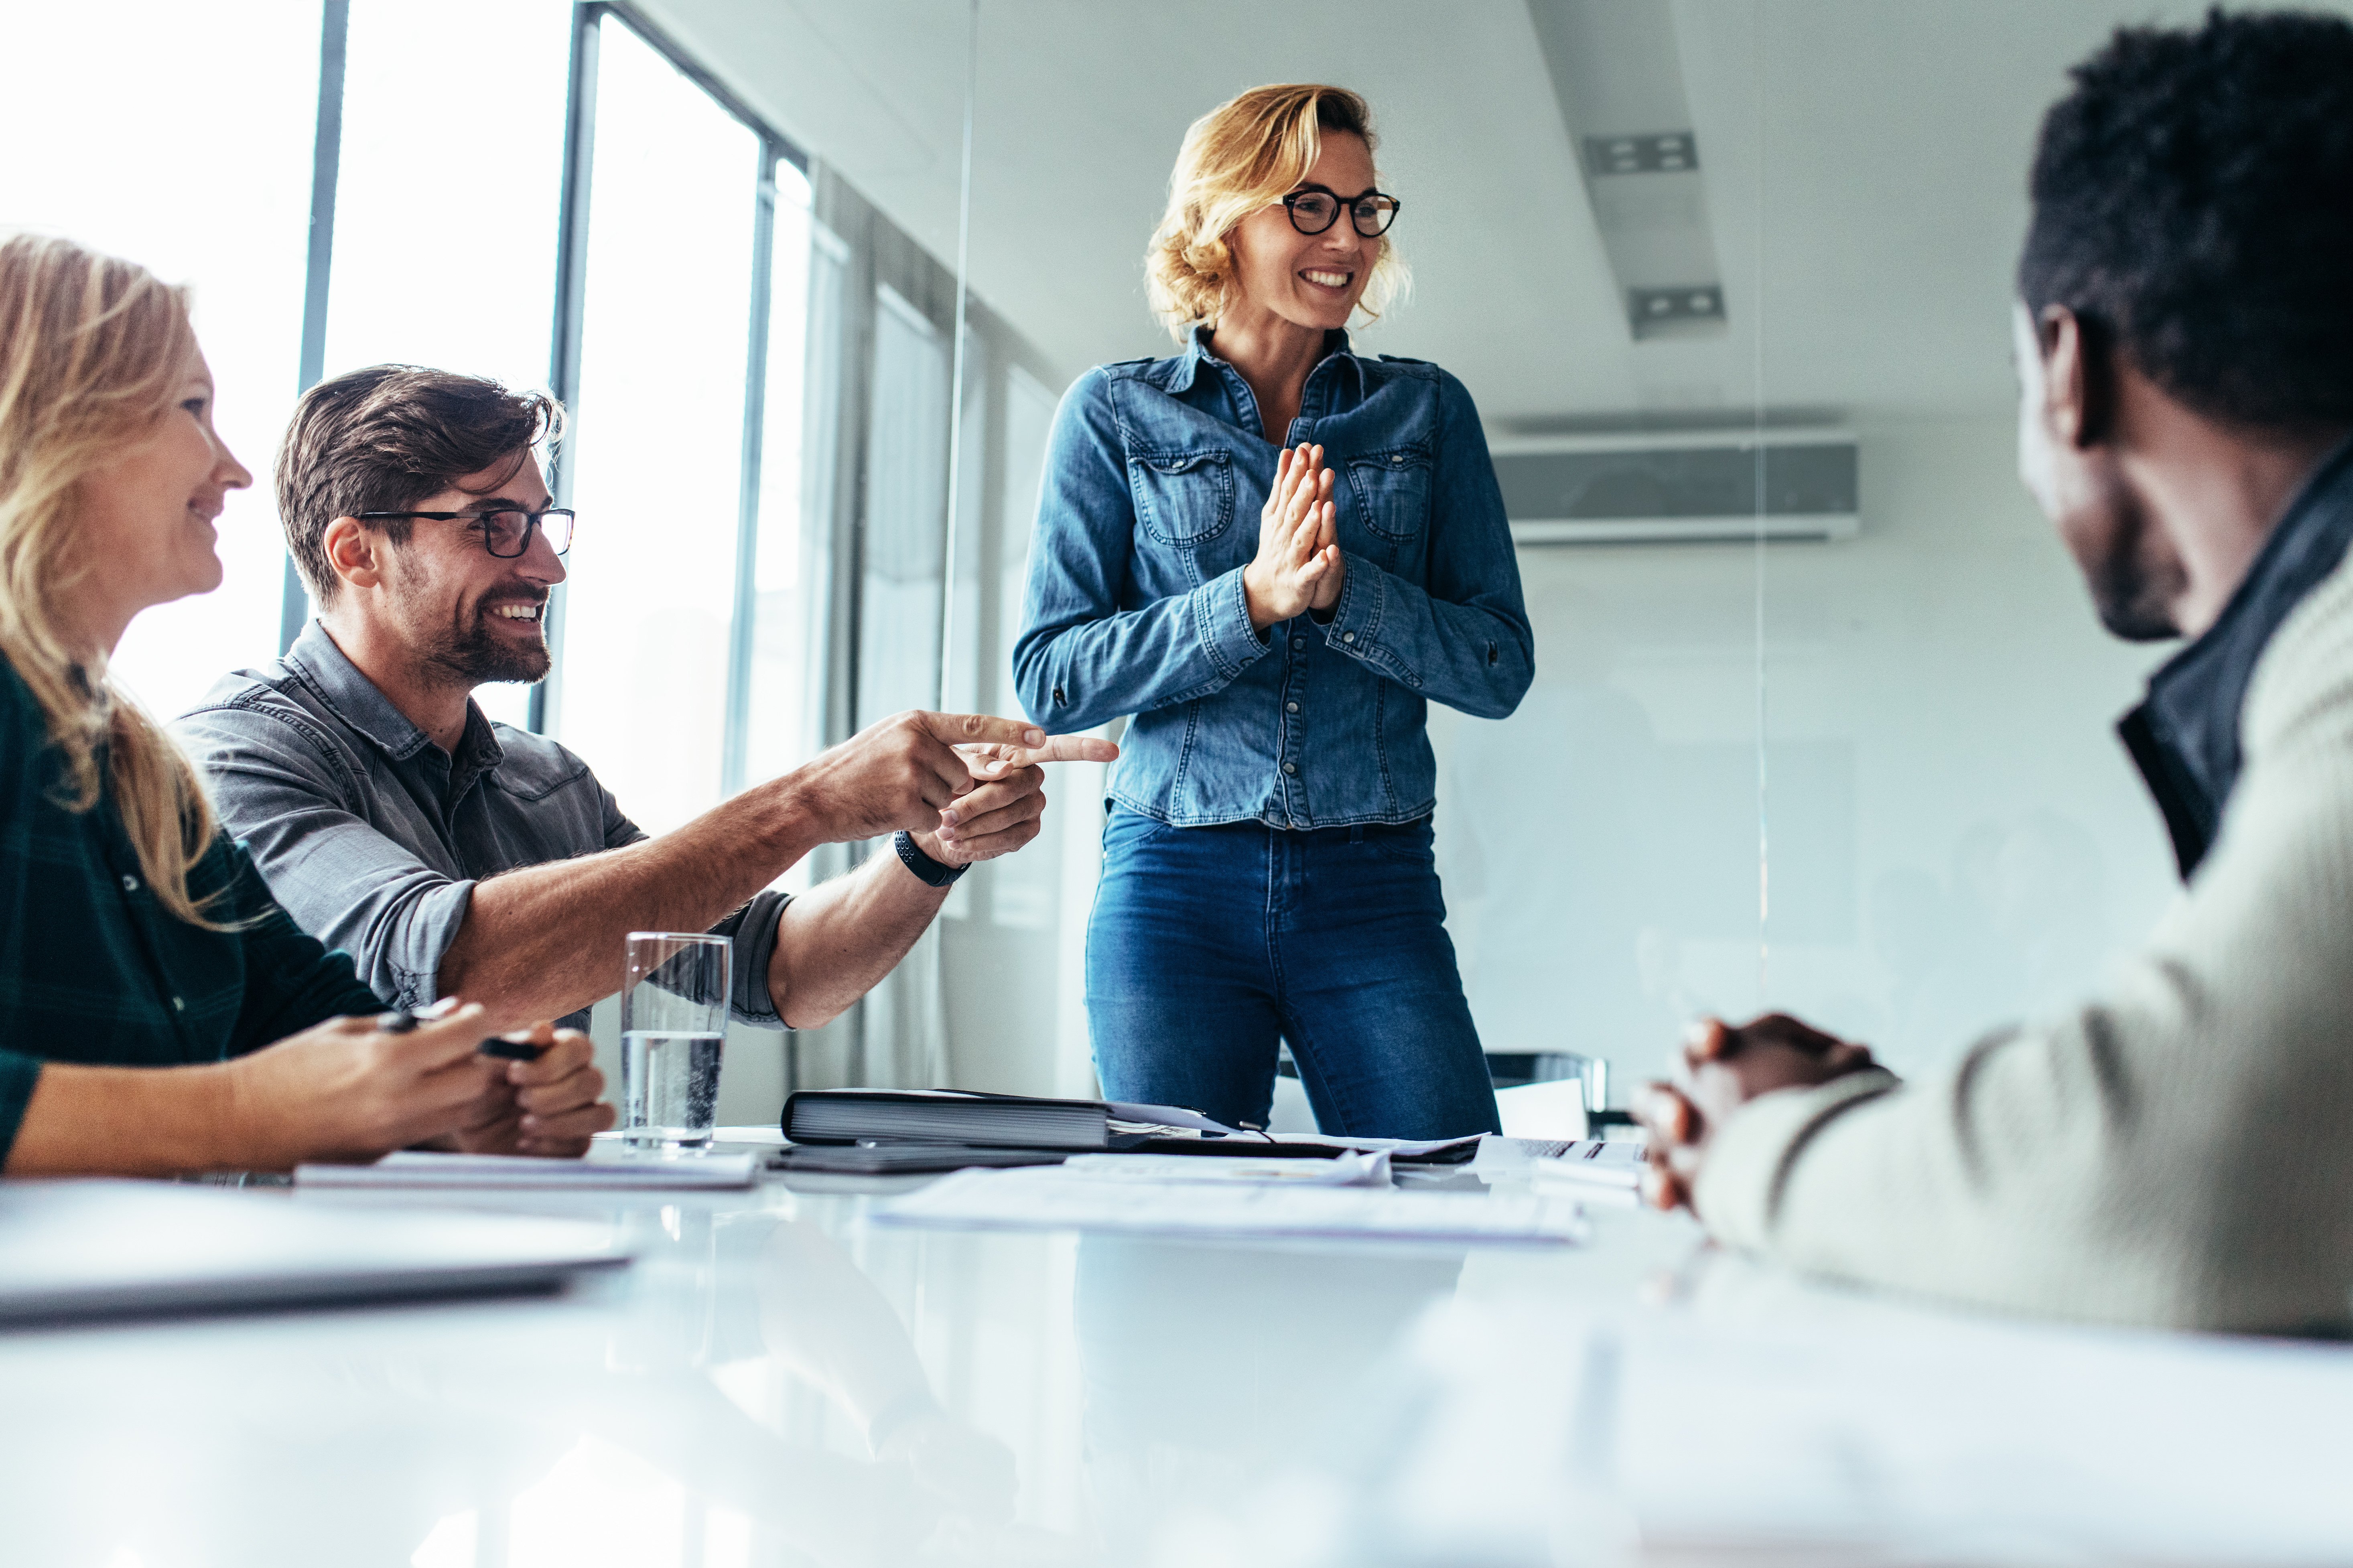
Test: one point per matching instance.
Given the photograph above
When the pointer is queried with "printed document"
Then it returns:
(1059, 1198)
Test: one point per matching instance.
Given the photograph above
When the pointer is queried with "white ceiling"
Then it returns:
(1891, 139)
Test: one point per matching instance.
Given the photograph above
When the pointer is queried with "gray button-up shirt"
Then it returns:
(373, 838)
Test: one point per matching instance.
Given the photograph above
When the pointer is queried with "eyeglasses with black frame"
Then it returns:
(1315, 208)
(505, 532)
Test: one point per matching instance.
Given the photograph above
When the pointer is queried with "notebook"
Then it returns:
(903, 1159)
(837, 1116)
(74, 1251)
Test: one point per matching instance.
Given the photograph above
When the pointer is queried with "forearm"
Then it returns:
(1476, 655)
(1077, 675)
(129, 1121)
(836, 942)
(546, 940)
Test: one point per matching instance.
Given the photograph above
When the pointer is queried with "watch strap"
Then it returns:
(931, 872)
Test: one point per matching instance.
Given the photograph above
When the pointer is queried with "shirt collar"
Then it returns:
(364, 707)
(1197, 354)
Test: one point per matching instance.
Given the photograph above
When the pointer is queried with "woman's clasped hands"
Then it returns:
(1298, 565)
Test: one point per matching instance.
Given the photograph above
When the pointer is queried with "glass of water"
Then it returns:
(673, 1019)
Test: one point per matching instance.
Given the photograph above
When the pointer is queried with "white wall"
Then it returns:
(1956, 836)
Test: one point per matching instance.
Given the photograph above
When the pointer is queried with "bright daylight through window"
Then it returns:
(658, 437)
(458, 275)
(175, 164)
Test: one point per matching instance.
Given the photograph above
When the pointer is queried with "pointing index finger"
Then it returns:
(980, 729)
(1064, 749)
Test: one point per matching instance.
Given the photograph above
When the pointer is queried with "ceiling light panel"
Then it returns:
(1616, 73)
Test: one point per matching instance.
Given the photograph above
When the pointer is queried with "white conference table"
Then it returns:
(777, 1380)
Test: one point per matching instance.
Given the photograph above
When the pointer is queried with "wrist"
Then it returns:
(1262, 615)
(927, 868)
(789, 818)
(226, 1130)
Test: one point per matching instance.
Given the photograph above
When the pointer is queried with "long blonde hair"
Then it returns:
(91, 352)
(1247, 154)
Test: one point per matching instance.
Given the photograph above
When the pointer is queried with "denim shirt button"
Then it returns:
(129, 884)
(1347, 636)
(1290, 767)
(1290, 708)
(1298, 642)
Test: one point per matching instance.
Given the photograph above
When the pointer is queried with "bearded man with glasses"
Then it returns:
(449, 854)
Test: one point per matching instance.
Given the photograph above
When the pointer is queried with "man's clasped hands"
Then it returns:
(1724, 1068)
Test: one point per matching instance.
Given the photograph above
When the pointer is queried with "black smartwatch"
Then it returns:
(928, 870)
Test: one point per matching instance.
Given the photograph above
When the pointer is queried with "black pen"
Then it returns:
(402, 1021)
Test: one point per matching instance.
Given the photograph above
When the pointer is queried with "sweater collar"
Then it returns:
(2184, 737)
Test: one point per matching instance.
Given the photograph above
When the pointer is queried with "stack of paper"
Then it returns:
(1057, 1198)
(631, 1172)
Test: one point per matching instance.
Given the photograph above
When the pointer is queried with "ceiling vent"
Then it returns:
(1685, 487)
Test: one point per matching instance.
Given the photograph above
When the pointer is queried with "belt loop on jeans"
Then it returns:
(1357, 834)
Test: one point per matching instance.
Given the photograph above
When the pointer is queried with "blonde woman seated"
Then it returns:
(158, 1011)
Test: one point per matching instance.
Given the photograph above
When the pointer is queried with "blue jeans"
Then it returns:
(1208, 944)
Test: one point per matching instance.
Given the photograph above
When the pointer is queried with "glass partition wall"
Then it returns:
(1843, 751)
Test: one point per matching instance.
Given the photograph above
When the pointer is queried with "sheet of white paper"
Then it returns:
(1056, 1198)
(1342, 1171)
(1588, 1162)
(1164, 1116)
(603, 1168)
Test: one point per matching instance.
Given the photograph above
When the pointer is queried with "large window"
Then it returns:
(172, 163)
(906, 500)
(451, 170)
(756, 363)
(778, 724)
(658, 437)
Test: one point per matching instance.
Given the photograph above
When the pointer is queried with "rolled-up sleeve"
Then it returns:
(750, 932)
(290, 803)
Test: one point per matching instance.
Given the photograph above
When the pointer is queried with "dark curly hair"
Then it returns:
(2193, 204)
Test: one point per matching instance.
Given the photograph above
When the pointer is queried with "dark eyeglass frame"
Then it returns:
(1342, 204)
(531, 524)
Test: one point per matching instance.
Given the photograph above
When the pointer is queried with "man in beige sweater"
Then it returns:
(2177, 1150)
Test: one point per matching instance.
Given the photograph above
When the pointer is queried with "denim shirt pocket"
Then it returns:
(1392, 490)
(1182, 498)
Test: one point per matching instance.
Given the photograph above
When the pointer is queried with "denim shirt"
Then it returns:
(1147, 514)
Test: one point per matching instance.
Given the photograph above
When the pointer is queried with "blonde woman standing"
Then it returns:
(144, 971)
(1267, 865)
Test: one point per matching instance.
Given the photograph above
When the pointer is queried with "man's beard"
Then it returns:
(2133, 588)
(476, 654)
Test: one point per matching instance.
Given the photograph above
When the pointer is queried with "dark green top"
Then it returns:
(95, 970)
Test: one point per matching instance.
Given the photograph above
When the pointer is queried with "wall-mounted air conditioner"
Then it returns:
(1682, 487)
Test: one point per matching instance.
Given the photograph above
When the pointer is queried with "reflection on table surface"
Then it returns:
(777, 1382)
